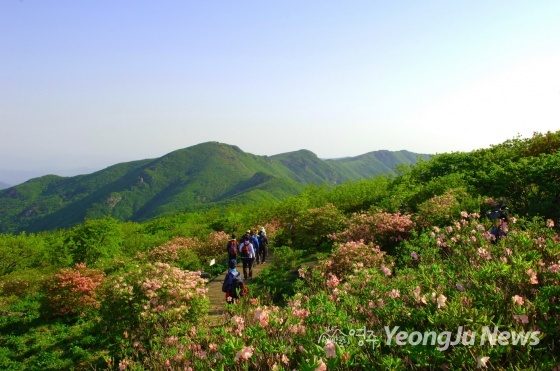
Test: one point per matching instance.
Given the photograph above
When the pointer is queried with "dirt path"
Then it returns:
(218, 298)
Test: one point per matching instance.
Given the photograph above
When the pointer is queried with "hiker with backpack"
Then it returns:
(248, 257)
(263, 245)
(500, 230)
(233, 286)
(255, 242)
(232, 248)
(247, 234)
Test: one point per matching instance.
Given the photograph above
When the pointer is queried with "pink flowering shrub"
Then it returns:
(73, 291)
(380, 228)
(346, 257)
(180, 251)
(152, 298)
(213, 246)
(189, 253)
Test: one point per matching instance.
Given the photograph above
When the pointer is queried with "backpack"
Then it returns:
(237, 287)
(255, 241)
(232, 247)
(245, 250)
(498, 233)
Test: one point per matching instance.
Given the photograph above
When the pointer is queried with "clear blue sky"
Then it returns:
(94, 83)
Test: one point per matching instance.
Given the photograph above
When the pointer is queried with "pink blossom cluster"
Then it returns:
(169, 289)
(74, 290)
(379, 227)
(262, 316)
(172, 250)
(244, 354)
(347, 255)
(213, 246)
(153, 297)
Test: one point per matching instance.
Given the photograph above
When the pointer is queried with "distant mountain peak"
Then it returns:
(200, 176)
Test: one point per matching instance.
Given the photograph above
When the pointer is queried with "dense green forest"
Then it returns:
(196, 178)
(390, 272)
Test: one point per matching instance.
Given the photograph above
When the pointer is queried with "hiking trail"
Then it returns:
(218, 298)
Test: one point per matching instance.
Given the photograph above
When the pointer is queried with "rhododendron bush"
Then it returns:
(72, 291)
(350, 256)
(151, 300)
(383, 229)
(189, 252)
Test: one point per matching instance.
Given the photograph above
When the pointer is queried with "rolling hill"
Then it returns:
(192, 178)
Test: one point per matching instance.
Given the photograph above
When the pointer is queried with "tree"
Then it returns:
(94, 240)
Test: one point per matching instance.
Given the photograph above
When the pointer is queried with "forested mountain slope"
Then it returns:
(200, 176)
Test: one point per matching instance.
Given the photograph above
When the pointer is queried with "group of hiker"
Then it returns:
(252, 248)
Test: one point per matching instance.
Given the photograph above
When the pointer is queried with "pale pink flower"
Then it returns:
(244, 354)
(300, 313)
(262, 316)
(172, 339)
(394, 294)
(460, 287)
(192, 331)
(533, 280)
(386, 271)
(213, 347)
(330, 350)
(550, 223)
(441, 301)
(414, 255)
(464, 214)
(483, 253)
(522, 318)
(554, 268)
(123, 364)
(322, 366)
(333, 281)
(518, 300)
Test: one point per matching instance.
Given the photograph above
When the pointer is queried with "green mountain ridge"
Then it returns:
(197, 177)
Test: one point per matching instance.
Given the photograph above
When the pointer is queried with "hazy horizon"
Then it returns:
(89, 84)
